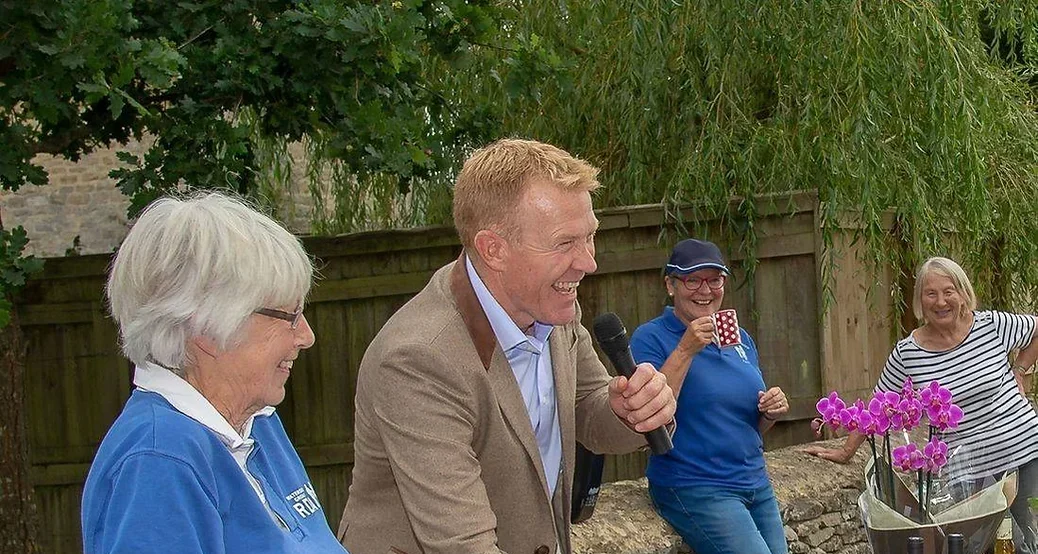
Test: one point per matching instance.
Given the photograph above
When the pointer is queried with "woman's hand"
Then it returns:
(838, 455)
(699, 333)
(772, 403)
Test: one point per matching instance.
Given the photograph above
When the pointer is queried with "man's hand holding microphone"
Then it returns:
(640, 395)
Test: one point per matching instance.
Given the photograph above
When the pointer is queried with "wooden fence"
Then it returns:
(77, 381)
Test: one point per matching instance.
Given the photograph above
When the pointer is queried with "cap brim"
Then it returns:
(672, 269)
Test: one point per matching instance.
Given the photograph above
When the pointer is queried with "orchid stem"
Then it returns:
(876, 464)
(890, 475)
(922, 502)
(929, 476)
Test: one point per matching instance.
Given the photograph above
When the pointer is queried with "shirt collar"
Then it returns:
(508, 334)
(672, 321)
(188, 401)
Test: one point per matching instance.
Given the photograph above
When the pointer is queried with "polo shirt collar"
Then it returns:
(672, 321)
(187, 400)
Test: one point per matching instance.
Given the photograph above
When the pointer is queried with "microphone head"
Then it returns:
(608, 328)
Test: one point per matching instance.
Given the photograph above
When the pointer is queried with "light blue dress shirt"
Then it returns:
(530, 359)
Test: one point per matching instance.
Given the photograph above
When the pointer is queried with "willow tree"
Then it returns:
(918, 109)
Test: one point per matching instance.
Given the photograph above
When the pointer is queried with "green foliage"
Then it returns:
(913, 120)
(217, 90)
(893, 111)
(214, 82)
(14, 268)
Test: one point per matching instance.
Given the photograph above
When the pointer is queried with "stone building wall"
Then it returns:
(817, 500)
(82, 200)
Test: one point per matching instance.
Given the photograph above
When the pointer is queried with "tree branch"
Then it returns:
(200, 33)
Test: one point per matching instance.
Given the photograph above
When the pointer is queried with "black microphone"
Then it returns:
(612, 337)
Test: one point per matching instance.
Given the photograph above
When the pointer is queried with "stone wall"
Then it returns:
(817, 499)
(81, 200)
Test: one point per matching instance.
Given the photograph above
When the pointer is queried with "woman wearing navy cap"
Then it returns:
(713, 487)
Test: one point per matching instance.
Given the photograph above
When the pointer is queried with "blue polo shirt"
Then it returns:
(163, 483)
(717, 441)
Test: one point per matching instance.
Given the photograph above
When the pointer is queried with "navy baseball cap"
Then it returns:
(692, 255)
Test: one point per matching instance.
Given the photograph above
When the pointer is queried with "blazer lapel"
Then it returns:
(513, 408)
(564, 368)
(499, 372)
(472, 313)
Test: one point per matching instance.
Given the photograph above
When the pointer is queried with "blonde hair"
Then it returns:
(495, 177)
(199, 266)
(945, 268)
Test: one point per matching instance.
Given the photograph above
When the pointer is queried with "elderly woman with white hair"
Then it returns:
(967, 352)
(208, 295)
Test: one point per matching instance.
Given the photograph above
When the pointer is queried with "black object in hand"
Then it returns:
(612, 337)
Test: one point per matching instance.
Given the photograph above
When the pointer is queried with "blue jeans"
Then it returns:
(719, 520)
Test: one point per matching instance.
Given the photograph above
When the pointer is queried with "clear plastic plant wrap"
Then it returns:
(972, 507)
(928, 491)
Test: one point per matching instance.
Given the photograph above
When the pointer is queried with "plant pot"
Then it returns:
(888, 528)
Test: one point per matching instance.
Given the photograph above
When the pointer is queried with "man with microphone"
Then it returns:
(471, 397)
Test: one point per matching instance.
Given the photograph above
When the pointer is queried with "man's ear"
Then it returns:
(492, 249)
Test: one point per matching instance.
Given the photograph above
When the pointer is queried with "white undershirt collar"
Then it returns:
(188, 401)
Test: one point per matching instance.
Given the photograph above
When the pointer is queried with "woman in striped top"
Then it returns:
(967, 351)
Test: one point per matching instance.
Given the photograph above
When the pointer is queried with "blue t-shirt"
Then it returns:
(717, 441)
(161, 482)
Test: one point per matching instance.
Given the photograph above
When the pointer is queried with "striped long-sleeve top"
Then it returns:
(999, 429)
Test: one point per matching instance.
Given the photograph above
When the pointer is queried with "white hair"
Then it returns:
(946, 268)
(199, 266)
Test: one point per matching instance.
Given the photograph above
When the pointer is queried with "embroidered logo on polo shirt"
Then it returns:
(304, 500)
(742, 353)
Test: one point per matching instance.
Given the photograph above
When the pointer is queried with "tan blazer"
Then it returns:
(445, 459)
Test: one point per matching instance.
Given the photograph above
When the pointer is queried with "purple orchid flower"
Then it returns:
(829, 408)
(935, 454)
(907, 416)
(908, 458)
(945, 419)
(885, 402)
(934, 397)
(907, 390)
(871, 424)
(850, 416)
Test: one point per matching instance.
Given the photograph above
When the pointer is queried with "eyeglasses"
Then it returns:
(695, 283)
(292, 318)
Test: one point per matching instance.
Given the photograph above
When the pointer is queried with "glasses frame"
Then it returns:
(690, 288)
(293, 318)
